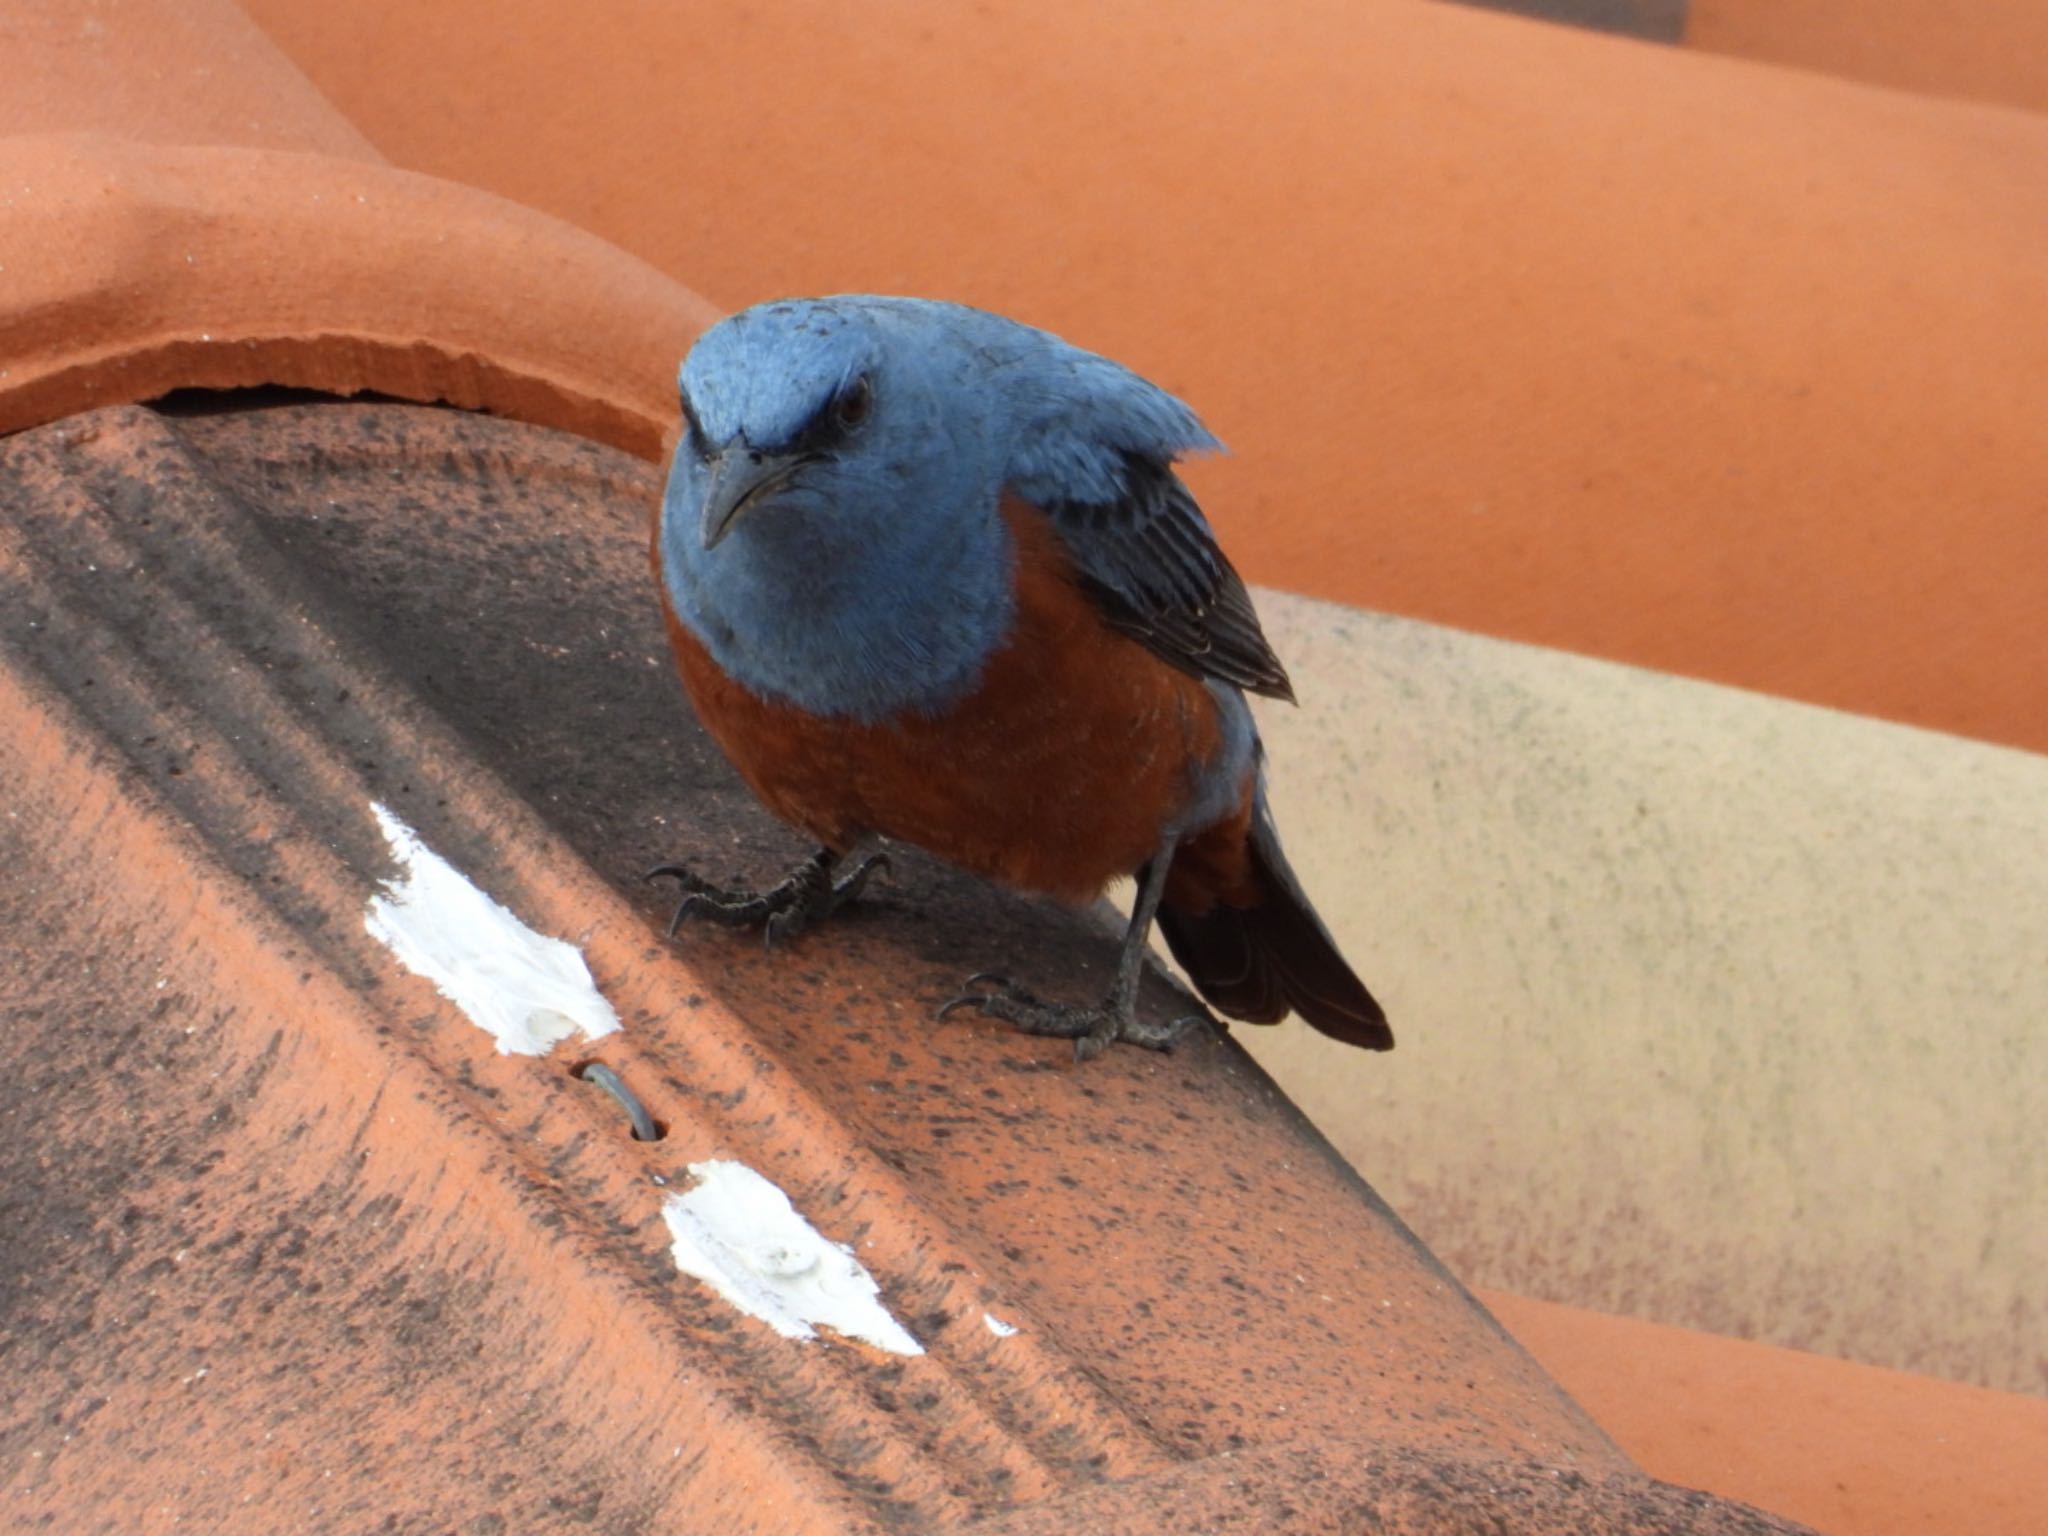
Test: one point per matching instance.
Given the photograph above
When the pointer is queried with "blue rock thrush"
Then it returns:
(929, 576)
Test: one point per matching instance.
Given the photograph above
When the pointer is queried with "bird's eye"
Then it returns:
(855, 403)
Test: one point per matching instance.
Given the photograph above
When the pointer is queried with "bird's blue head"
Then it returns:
(830, 529)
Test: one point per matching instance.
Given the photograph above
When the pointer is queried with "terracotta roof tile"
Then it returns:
(297, 1244)
(1995, 50)
(162, 72)
(134, 269)
(1852, 1448)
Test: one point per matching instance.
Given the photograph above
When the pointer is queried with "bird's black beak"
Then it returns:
(738, 479)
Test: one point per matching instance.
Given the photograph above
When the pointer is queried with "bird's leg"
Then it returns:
(811, 891)
(1092, 1029)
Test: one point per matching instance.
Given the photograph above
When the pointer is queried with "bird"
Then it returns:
(930, 578)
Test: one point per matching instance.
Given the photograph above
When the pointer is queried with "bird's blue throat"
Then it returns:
(841, 622)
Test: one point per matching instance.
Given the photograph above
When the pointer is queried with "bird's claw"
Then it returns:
(968, 996)
(849, 885)
(808, 893)
(1093, 1029)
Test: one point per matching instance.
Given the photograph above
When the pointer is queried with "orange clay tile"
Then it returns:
(135, 269)
(162, 72)
(292, 1245)
(1630, 350)
(1994, 50)
(179, 208)
(1852, 1448)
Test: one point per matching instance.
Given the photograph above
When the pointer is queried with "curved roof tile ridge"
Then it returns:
(180, 207)
(133, 269)
(253, 665)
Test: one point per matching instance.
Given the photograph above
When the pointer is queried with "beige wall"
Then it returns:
(1712, 1008)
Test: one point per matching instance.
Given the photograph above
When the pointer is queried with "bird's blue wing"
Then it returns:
(1097, 461)
(1150, 561)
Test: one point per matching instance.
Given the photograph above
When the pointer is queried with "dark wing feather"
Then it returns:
(1149, 559)
(1260, 962)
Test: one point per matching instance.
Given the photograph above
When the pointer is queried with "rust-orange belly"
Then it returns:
(1058, 774)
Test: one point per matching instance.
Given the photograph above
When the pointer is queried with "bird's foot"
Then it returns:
(1093, 1029)
(810, 892)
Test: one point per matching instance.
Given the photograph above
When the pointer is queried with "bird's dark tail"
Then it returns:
(1262, 961)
